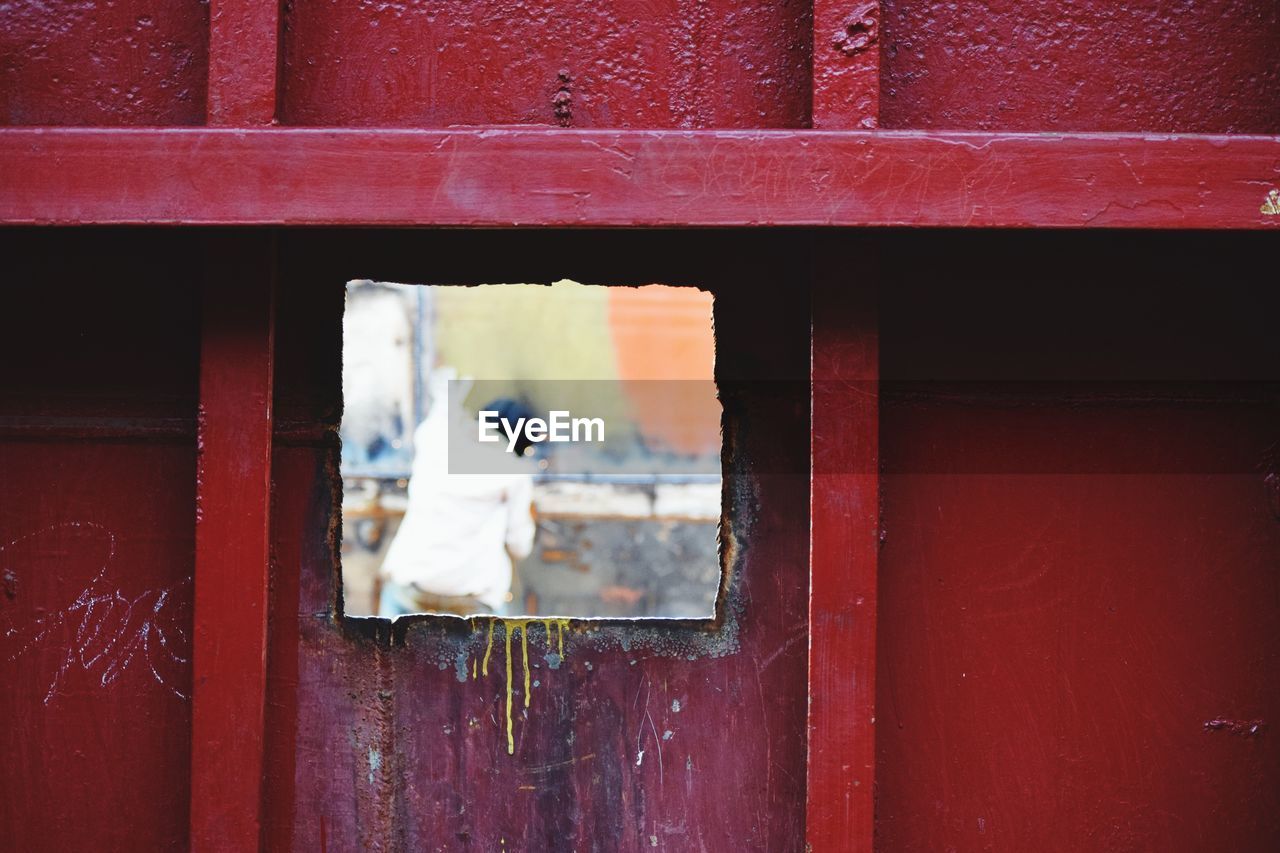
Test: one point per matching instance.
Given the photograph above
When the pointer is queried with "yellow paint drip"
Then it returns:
(560, 624)
(488, 649)
(511, 742)
(524, 649)
(508, 627)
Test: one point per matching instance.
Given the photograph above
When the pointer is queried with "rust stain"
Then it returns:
(562, 100)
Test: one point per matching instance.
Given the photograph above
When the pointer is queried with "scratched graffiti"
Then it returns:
(103, 631)
(656, 743)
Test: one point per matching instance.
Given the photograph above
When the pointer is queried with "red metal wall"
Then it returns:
(665, 63)
(1077, 585)
(1079, 521)
(1081, 530)
(1143, 66)
(129, 63)
(98, 342)
(387, 741)
(1037, 65)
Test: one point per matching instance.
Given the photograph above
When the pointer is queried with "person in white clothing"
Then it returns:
(455, 548)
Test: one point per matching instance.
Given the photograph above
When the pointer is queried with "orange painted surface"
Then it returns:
(664, 335)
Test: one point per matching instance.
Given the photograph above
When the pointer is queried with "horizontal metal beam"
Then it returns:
(509, 177)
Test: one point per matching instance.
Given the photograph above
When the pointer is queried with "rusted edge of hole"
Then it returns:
(691, 638)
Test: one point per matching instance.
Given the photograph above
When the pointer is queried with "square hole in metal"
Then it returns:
(530, 450)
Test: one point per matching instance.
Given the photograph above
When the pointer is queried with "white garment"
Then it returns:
(458, 528)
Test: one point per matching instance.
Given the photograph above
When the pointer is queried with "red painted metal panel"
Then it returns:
(1044, 65)
(574, 63)
(844, 538)
(386, 740)
(1019, 514)
(846, 64)
(127, 63)
(1077, 605)
(244, 36)
(1057, 645)
(95, 561)
(1078, 586)
(232, 543)
(507, 177)
(97, 465)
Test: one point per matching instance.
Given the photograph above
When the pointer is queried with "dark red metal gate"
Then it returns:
(1003, 505)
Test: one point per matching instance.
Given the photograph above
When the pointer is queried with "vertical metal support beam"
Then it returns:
(244, 50)
(845, 538)
(233, 502)
(846, 64)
